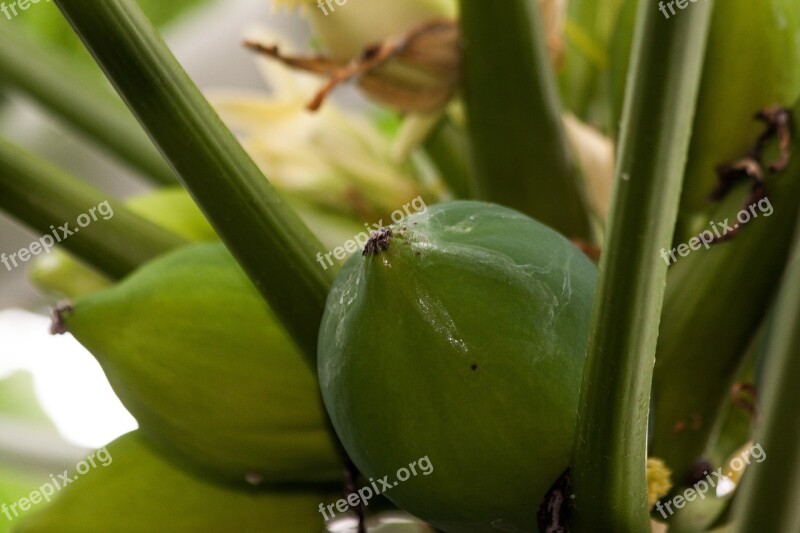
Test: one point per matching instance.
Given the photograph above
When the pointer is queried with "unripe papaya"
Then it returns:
(460, 335)
(752, 62)
(132, 489)
(173, 209)
(206, 369)
(61, 274)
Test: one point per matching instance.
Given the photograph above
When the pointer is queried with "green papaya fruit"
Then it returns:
(206, 369)
(61, 274)
(173, 209)
(132, 489)
(459, 336)
(752, 62)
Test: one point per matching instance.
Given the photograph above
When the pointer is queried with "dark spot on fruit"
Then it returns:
(379, 242)
(418, 253)
(474, 366)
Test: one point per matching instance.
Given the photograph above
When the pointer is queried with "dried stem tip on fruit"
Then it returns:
(379, 242)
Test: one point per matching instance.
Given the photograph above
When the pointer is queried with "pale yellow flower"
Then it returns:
(332, 158)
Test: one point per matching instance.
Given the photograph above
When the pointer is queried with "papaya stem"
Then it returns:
(57, 84)
(45, 198)
(58, 315)
(268, 239)
(520, 149)
(609, 466)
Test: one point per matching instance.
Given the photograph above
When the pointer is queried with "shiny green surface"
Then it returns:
(715, 302)
(139, 491)
(206, 369)
(464, 342)
(753, 61)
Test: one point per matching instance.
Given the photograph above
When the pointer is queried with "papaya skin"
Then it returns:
(138, 490)
(203, 365)
(460, 335)
(753, 61)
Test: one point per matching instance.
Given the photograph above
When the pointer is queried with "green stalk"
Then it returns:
(610, 448)
(45, 198)
(771, 488)
(271, 243)
(691, 381)
(521, 153)
(449, 149)
(55, 81)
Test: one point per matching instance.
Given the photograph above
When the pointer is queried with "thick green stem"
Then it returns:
(610, 448)
(56, 83)
(521, 153)
(114, 240)
(271, 243)
(771, 488)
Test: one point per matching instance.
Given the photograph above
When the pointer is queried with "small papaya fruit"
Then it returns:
(459, 335)
(752, 62)
(131, 489)
(61, 274)
(761, 65)
(173, 209)
(204, 366)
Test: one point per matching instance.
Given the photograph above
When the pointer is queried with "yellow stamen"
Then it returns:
(658, 480)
